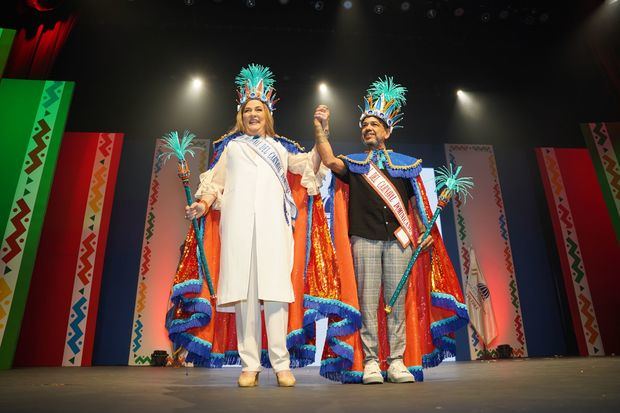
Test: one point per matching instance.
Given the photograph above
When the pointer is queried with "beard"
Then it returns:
(371, 142)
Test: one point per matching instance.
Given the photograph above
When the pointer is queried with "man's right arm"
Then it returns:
(322, 145)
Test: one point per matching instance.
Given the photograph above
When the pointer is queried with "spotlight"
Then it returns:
(529, 20)
(188, 2)
(250, 3)
(323, 88)
(318, 5)
(544, 17)
(283, 2)
(197, 84)
(459, 12)
(503, 15)
(431, 13)
(379, 9)
(348, 4)
(460, 93)
(405, 6)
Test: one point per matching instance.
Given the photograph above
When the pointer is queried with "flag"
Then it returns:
(478, 300)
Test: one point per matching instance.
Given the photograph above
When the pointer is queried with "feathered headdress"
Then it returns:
(384, 100)
(256, 82)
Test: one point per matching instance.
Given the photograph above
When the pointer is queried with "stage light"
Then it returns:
(323, 89)
(283, 2)
(188, 2)
(544, 17)
(197, 84)
(159, 358)
(318, 5)
(405, 6)
(460, 93)
(431, 13)
(459, 12)
(485, 17)
(379, 9)
(250, 3)
(503, 15)
(348, 5)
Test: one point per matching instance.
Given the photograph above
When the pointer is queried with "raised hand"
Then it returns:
(321, 117)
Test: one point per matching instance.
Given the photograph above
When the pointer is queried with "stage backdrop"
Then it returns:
(587, 245)
(61, 312)
(32, 121)
(603, 140)
(164, 233)
(481, 223)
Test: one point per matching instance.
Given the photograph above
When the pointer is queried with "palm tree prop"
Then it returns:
(450, 184)
(180, 147)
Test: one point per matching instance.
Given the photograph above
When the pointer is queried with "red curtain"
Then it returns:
(43, 29)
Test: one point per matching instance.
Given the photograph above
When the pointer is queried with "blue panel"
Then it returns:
(122, 260)
(535, 259)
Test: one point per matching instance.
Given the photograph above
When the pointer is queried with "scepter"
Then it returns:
(450, 184)
(180, 147)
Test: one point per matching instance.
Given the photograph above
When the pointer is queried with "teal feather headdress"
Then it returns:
(384, 100)
(256, 82)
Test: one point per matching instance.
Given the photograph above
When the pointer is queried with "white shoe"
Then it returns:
(398, 373)
(372, 373)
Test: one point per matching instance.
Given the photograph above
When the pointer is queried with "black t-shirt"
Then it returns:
(369, 216)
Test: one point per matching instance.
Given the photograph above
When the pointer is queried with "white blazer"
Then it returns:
(251, 200)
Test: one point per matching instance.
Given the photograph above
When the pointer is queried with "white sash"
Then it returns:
(270, 155)
(388, 192)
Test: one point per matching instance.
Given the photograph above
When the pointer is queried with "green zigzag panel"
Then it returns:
(6, 40)
(32, 121)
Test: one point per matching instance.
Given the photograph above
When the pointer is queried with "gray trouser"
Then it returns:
(376, 262)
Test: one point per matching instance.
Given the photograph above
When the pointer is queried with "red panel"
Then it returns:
(597, 243)
(101, 245)
(568, 282)
(44, 326)
(597, 239)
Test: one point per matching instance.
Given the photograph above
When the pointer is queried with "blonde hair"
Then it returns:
(269, 128)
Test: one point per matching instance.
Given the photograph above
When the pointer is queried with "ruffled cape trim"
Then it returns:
(398, 165)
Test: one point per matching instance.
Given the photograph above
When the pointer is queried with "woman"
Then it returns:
(249, 185)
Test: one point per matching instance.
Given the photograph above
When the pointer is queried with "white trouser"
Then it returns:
(249, 326)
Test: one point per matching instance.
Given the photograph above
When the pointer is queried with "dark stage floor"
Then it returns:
(533, 385)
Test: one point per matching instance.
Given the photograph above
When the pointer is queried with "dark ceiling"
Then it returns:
(529, 64)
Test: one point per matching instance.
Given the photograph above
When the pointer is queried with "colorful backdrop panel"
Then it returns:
(6, 40)
(67, 273)
(481, 224)
(32, 121)
(587, 245)
(603, 140)
(164, 234)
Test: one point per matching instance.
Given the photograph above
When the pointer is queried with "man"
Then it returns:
(382, 187)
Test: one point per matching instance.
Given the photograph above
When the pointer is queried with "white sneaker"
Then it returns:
(372, 373)
(398, 373)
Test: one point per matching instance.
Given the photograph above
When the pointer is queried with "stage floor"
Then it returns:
(530, 385)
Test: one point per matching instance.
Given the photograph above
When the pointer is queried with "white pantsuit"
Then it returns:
(257, 248)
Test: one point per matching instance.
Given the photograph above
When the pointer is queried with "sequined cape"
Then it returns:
(209, 336)
(435, 306)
